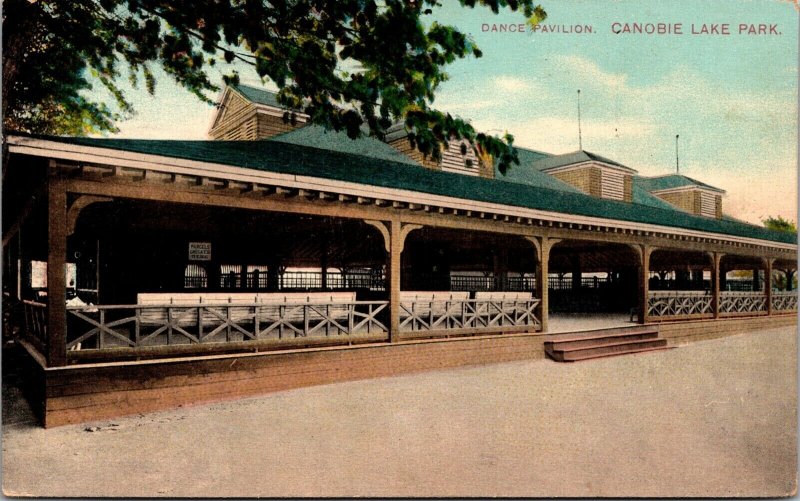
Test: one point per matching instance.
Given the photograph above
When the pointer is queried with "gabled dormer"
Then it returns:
(685, 193)
(458, 156)
(249, 113)
(590, 173)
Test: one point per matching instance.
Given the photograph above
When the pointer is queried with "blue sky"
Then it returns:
(732, 99)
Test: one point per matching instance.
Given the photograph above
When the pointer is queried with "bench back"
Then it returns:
(211, 315)
(419, 296)
(503, 296)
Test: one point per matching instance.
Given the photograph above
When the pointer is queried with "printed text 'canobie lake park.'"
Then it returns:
(637, 28)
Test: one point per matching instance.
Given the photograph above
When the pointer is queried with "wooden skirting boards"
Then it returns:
(99, 391)
(76, 394)
(678, 333)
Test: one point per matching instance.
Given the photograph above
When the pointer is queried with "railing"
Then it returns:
(784, 300)
(565, 283)
(679, 303)
(742, 303)
(739, 285)
(520, 284)
(35, 317)
(656, 284)
(471, 314)
(133, 326)
(473, 283)
(335, 280)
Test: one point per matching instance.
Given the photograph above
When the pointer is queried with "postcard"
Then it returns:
(400, 248)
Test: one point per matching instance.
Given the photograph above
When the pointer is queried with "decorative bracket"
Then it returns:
(380, 226)
(78, 205)
(405, 229)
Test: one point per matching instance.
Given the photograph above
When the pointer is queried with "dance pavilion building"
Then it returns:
(143, 274)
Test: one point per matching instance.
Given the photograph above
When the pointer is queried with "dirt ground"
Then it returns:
(714, 418)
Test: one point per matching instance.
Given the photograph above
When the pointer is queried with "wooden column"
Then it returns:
(393, 278)
(768, 284)
(756, 280)
(394, 237)
(56, 273)
(323, 262)
(544, 245)
(273, 274)
(500, 268)
(576, 273)
(644, 281)
(715, 281)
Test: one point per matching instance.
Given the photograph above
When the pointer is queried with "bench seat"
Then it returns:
(214, 307)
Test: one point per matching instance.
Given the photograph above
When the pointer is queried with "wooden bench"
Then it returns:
(503, 296)
(213, 307)
(510, 302)
(336, 305)
(426, 303)
(159, 303)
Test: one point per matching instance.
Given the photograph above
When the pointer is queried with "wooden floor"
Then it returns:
(81, 393)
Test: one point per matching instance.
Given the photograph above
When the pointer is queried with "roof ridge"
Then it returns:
(663, 175)
(248, 86)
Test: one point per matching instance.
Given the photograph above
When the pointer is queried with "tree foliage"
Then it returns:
(346, 63)
(787, 279)
(780, 224)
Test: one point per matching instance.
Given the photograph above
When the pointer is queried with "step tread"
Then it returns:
(644, 336)
(626, 352)
(618, 343)
(577, 336)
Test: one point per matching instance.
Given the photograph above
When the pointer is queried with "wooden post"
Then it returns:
(644, 281)
(715, 279)
(542, 270)
(323, 262)
(503, 269)
(756, 281)
(768, 284)
(576, 273)
(394, 238)
(393, 279)
(56, 273)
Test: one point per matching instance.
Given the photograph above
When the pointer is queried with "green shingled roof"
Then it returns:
(258, 96)
(524, 173)
(286, 158)
(576, 157)
(670, 181)
(642, 196)
(317, 137)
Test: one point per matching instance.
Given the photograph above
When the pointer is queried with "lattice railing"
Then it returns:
(35, 315)
(678, 303)
(467, 314)
(99, 327)
(784, 301)
(742, 302)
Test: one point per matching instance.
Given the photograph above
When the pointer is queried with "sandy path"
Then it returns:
(716, 418)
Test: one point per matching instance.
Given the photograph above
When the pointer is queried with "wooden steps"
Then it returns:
(603, 343)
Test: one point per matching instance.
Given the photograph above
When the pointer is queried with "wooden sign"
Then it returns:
(199, 251)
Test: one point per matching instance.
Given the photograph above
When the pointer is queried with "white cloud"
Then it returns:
(511, 84)
(556, 134)
(587, 70)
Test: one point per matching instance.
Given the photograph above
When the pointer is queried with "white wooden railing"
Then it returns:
(784, 300)
(679, 303)
(468, 314)
(736, 303)
(100, 327)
